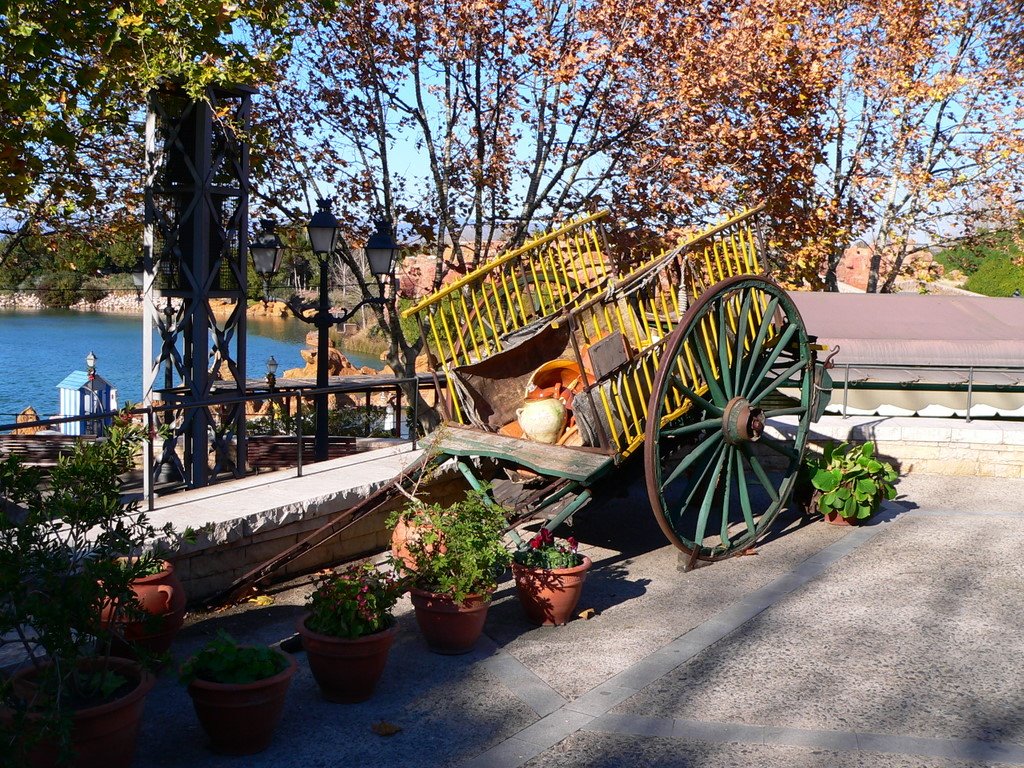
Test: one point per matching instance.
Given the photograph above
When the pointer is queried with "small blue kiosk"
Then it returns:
(85, 392)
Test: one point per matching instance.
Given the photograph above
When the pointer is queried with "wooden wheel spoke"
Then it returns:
(762, 476)
(698, 450)
(765, 370)
(709, 375)
(697, 400)
(781, 379)
(755, 348)
(741, 335)
(796, 410)
(727, 498)
(723, 351)
(688, 429)
(709, 484)
(741, 476)
(778, 447)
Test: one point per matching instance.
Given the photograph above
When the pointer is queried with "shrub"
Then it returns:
(459, 551)
(59, 290)
(997, 276)
(94, 290)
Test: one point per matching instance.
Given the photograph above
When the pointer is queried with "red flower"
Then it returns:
(536, 542)
(571, 541)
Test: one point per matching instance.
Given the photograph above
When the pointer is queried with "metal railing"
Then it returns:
(968, 382)
(284, 396)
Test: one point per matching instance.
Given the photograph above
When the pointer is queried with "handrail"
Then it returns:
(149, 413)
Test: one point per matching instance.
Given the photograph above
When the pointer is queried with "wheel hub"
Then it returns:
(742, 423)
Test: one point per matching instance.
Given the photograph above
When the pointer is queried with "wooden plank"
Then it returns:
(39, 450)
(579, 464)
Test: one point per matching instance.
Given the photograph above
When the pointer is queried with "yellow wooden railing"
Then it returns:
(567, 271)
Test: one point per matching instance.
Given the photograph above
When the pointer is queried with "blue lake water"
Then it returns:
(38, 349)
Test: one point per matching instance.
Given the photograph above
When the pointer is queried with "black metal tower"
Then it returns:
(194, 253)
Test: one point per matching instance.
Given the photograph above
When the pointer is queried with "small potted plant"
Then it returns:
(238, 692)
(158, 612)
(60, 544)
(349, 629)
(454, 566)
(549, 575)
(849, 482)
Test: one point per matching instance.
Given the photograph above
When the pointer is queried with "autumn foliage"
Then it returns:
(473, 123)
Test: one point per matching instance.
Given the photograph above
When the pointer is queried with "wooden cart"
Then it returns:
(683, 355)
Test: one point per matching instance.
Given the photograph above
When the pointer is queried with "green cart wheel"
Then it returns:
(716, 477)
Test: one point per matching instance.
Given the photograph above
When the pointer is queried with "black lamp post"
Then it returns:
(271, 373)
(90, 362)
(138, 278)
(381, 252)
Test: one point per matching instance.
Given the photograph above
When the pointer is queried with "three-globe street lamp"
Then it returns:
(381, 252)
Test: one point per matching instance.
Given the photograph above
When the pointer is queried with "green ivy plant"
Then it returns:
(459, 550)
(851, 481)
(223, 660)
(356, 602)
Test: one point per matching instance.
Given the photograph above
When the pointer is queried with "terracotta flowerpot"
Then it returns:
(240, 719)
(405, 532)
(347, 670)
(162, 596)
(834, 518)
(448, 627)
(549, 596)
(102, 736)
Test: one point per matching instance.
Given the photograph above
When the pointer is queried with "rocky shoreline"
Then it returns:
(124, 303)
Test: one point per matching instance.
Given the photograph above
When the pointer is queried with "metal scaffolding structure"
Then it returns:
(194, 254)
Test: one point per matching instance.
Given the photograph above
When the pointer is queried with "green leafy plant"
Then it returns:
(359, 420)
(459, 550)
(353, 603)
(223, 660)
(61, 540)
(547, 552)
(851, 481)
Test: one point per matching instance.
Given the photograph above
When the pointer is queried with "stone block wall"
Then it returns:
(929, 446)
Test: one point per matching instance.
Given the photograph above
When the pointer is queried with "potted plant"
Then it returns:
(454, 567)
(349, 629)
(158, 612)
(549, 575)
(849, 482)
(238, 692)
(59, 547)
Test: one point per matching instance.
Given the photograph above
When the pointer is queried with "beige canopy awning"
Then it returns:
(931, 355)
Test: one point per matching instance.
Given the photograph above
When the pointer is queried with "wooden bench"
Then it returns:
(41, 451)
(280, 451)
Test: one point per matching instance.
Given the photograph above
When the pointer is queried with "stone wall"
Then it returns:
(929, 446)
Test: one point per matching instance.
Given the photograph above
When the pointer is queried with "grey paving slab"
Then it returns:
(509, 754)
(448, 707)
(916, 633)
(599, 700)
(643, 601)
(554, 727)
(614, 750)
(801, 737)
(635, 725)
(889, 647)
(523, 683)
